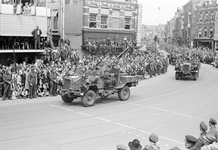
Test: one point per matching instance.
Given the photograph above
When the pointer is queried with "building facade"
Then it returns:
(16, 25)
(99, 19)
(205, 24)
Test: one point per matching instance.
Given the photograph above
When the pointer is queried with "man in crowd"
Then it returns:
(49, 37)
(208, 139)
(7, 78)
(36, 35)
(32, 78)
(200, 142)
(135, 145)
(53, 83)
(1, 83)
(213, 130)
(190, 142)
(153, 139)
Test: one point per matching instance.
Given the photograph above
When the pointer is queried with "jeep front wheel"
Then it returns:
(124, 93)
(66, 99)
(89, 98)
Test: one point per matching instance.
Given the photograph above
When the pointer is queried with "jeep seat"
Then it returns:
(116, 74)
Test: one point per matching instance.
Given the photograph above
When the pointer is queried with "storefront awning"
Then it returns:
(23, 51)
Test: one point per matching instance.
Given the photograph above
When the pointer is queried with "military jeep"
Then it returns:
(89, 89)
(187, 69)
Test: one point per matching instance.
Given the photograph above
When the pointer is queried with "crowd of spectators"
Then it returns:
(64, 61)
(207, 140)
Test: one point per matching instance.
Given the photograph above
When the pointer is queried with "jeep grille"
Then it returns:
(67, 83)
(186, 67)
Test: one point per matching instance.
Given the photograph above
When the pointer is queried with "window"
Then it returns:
(199, 32)
(205, 32)
(127, 22)
(116, 13)
(212, 16)
(92, 21)
(189, 18)
(200, 17)
(55, 19)
(116, 23)
(211, 32)
(104, 21)
(206, 17)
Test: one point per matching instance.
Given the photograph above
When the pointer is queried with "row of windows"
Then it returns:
(206, 17)
(104, 22)
(205, 33)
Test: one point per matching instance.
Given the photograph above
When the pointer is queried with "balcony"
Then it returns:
(21, 25)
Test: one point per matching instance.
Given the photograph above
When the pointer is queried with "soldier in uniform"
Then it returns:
(1, 83)
(7, 78)
(213, 130)
(200, 142)
(190, 142)
(53, 83)
(208, 140)
(153, 139)
(32, 79)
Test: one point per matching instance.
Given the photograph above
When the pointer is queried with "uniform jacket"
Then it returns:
(7, 77)
(200, 141)
(36, 33)
(214, 132)
(53, 76)
(151, 147)
(32, 78)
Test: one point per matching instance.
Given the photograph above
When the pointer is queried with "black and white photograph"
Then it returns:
(108, 74)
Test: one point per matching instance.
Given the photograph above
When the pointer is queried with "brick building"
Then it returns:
(99, 19)
(205, 24)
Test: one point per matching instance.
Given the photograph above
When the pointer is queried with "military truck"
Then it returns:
(89, 89)
(187, 69)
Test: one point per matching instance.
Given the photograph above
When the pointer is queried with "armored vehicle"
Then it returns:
(187, 69)
(89, 89)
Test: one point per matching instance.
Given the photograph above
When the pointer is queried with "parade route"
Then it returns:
(162, 105)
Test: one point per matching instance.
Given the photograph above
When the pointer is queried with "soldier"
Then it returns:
(7, 78)
(53, 83)
(190, 142)
(32, 79)
(208, 139)
(200, 142)
(213, 131)
(1, 83)
(153, 139)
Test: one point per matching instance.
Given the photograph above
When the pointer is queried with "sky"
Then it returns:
(152, 16)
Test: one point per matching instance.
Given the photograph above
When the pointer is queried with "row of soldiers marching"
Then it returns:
(28, 84)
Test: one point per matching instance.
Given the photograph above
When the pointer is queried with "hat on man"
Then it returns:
(154, 138)
(213, 121)
(135, 145)
(210, 138)
(121, 147)
(190, 139)
(203, 126)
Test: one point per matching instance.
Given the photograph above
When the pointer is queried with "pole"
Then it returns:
(63, 18)
(15, 66)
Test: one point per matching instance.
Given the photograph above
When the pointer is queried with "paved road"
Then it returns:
(158, 105)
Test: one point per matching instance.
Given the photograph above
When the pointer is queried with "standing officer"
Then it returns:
(7, 78)
(190, 142)
(36, 34)
(32, 78)
(153, 139)
(1, 83)
(213, 131)
(200, 142)
(53, 83)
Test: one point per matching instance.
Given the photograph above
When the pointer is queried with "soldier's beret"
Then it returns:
(154, 138)
(190, 139)
(121, 147)
(203, 126)
(210, 138)
(213, 121)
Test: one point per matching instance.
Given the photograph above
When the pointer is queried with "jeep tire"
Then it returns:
(195, 76)
(88, 98)
(124, 93)
(177, 76)
(66, 99)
